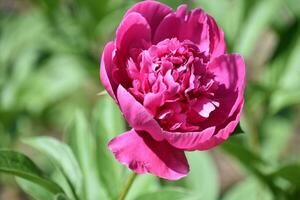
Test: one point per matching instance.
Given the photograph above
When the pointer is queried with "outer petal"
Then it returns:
(133, 32)
(152, 11)
(189, 140)
(137, 116)
(142, 154)
(229, 71)
(206, 139)
(171, 25)
(106, 69)
(223, 133)
(168, 28)
(195, 28)
(216, 36)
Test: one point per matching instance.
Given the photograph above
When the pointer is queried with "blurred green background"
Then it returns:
(49, 81)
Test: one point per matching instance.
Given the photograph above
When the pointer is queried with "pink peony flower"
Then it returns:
(177, 88)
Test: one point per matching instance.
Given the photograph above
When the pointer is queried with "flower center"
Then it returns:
(170, 79)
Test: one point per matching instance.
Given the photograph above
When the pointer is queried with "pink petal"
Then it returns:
(153, 101)
(224, 133)
(181, 11)
(195, 29)
(106, 70)
(229, 71)
(133, 32)
(189, 140)
(152, 11)
(168, 28)
(136, 114)
(204, 107)
(216, 37)
(142, 154)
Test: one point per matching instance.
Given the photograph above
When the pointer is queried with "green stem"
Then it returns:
(127, 186)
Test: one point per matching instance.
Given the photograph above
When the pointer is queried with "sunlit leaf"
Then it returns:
(288, 92)
(107, 123)
(143, 184)
(166, 193)
(52, 82)
(34, 190)
(83, 144)
(277, 134)
(248, 159)
(249, 189)
(290, 173)
(203, 177)
(61, 197)
(20, 165)
(260, 17)
(63, 158)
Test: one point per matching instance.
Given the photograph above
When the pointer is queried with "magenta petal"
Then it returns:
(216, 37)
(189, 140)
(168, 28)
(106, 69)
(136, 114)
(152, 11)
(142, 154)
(204, 106)
(133, 32)
(195, 29)
(153, 101)
(229, 71)
(224, 133)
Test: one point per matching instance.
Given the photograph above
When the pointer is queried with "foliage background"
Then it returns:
(49, 80)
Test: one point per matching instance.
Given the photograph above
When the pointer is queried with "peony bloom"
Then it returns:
(175, 84)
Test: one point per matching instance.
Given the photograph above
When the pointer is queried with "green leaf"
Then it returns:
(248, 159)
(107, 123)
(52, 82)
(34, 190)
(203, 177)
(277, 133)
(62, 157)
(166, 193)
(20, 165)
(235, 148)
(249, 189)
(290, 173)
(288, 92)
(294, 6)
(61, 197)
(83, 144)
(143, 184)
(260, 17)
(108, 120)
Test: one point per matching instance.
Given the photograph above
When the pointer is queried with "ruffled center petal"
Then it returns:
(171, 80)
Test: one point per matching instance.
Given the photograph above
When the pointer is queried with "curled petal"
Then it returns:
(223, 133)
(136, 114)
(195, 28)
(229, 71)
(216, 36)
(168, 28)
(142, 154)
(153, 101)
(189, 140)
(106, 70)
(152, 11)
(133, 32)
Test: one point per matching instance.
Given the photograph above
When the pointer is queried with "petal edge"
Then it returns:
(142, 154)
